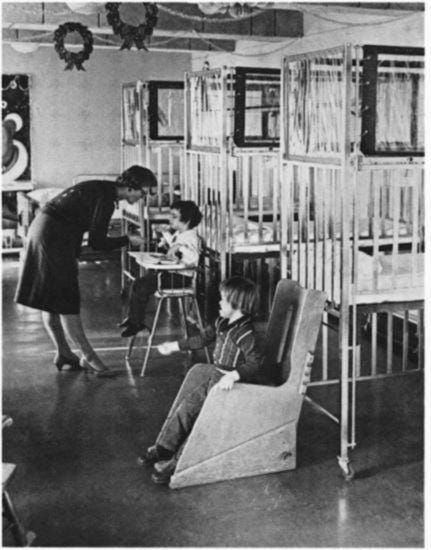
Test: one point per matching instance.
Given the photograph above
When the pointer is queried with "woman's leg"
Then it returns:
(73, 326)
(54, 328)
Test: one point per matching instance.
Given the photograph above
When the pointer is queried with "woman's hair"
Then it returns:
(137, 177)
(241, 294)
(189, 212)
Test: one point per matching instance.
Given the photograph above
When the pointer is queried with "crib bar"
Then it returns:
(405, 340)
(159, 174)
(390, 331)
(170, 153)
(245, 174)
(260, 189)
(275, 198)
(324, 337)
(373, 344)
(420, 337)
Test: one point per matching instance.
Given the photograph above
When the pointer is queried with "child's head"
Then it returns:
(184, 215)
(238, 294)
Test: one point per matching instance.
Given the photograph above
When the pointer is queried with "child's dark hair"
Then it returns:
(241, 293)
(189, 212)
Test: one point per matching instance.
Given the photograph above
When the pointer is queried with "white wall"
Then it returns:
(76, 115)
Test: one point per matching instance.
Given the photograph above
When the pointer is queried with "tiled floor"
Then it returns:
(75, 439)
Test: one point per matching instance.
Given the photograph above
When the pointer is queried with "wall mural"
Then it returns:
(16, 151)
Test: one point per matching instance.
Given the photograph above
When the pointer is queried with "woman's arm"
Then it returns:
(98, 233)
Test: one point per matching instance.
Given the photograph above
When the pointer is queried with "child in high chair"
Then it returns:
(236, 358)
(182, 246)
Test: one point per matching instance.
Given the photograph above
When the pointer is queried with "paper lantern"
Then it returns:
(211, 8)
(86, 8)
(24, 47)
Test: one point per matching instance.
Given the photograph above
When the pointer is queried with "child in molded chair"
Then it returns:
(183, 246)
(236, 358)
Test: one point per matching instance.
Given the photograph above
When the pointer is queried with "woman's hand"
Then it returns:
(168, 347)
(136, 240)
(227, 381)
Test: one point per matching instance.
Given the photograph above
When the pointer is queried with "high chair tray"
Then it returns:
(151, 260)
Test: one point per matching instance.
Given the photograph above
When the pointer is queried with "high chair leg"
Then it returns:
(130, 348)
(183, 316)
(151, 336)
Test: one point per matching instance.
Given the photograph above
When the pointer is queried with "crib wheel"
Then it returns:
(350, 474)
(346, 468)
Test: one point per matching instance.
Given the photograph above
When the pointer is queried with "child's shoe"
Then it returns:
(132, 329)
(154, 454)
(163, 471)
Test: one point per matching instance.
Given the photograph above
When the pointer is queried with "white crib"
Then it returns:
(152, 136)
(231, 167)
(352, 223)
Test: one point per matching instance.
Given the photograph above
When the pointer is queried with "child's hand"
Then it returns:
(227, 381)
(168, 347)
(172, 253)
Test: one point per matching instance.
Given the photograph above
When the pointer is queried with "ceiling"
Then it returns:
(180, 26)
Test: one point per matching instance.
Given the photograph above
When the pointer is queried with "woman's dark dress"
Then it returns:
(49, 276)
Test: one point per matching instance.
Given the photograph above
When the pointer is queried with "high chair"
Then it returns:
(165, 294)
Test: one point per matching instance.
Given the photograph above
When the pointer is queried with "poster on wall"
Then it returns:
(16, 152)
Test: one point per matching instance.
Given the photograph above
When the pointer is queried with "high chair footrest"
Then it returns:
(174, 293)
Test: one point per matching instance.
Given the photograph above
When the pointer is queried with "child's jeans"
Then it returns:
(187, 405)
(144, 287)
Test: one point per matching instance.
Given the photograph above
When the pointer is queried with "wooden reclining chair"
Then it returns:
(251, 429)
(11, 521)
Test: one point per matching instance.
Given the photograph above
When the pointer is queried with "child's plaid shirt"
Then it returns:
(235, 347)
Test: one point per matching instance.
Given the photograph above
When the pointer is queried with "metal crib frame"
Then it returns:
(331, 217)
(232, 181)
(141, 144)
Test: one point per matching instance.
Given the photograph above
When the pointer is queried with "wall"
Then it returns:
(76, 115)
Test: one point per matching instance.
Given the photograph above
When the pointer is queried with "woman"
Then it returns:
(49, 276)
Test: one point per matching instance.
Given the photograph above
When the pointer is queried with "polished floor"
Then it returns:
(75, 439)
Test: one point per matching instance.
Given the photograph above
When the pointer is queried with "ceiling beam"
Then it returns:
(160, 33)
(178, 20)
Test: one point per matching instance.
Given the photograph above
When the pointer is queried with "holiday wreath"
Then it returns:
(129, 33)
(73, 59)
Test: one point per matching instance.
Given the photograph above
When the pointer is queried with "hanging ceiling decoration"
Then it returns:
(132, 34)
(73, 59)
(24, 47)
(86, 8)
(235, 10)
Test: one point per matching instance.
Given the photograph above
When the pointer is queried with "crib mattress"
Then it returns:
(382, 278)
(254, 239)
(400, 279)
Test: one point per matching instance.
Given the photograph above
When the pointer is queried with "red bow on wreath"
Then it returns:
(130, 34)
